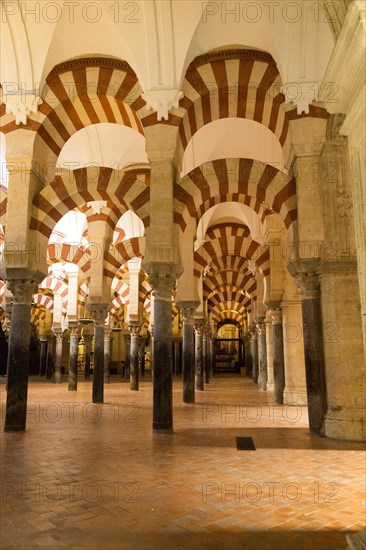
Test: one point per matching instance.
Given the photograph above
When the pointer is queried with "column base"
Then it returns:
(348, 424)
(162, 431)
(270, 387)
(356, 541)
(16, 428)
(295, 396)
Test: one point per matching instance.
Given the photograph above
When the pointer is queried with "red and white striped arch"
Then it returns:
(122, 189)
(253, 183)
(79, 93)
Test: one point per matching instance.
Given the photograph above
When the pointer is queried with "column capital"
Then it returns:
(162, 278)
(276, 315)
(306, 277)
(107, 333)
(57, 330)
(22, 290)
(261, 326)
(188, 309)
(198, 326)
(98, 313)
(74, 330)
(134, 330)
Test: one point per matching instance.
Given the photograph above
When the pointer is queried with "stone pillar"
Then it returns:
(211, 347)
(99, 313)
(293, 348)
(278, 356)
(270, 380)
(262, 353)
(58, 353)
(188, 354)
(18, 355)
(198, 330)
(309, 285)
(73, 357)
(42, 355)
(163, 284)
(49, 357)
(87, 340)
(176, 357)
(142, 343)
(107, 354)
(205, 360)
(127, 338)
(134, 358)
(248, 356)
(254, 354)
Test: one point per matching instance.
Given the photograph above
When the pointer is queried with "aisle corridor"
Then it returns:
(93, 476)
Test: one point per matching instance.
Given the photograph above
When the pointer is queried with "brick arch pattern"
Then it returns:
(253, 183)
(82, 92)
(123, 189)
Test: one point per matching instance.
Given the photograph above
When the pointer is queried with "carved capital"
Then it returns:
(301, 94)
(21, 106)
(163, 281)
(74, 330)
(134, 330)
(276, 315)
(198, 327)
(98, 313)
(22, 290)
(162, 101)
(261, 327)
(309, 285)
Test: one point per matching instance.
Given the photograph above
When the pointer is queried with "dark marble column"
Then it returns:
(134, 357)
(211, 351)
(314, 352)
(87, 339)
(254, 354)
(98, 313)
(73, 358)
(176, 357)
(205, 360)
(127, 338)
(278, 356)
(18, 354)
(107, 354)
(42, 355)
(142, 342)
(49, 356)
(198, 331)
(262, 353)
(188, 353)
(163, 284)
(248, 356)
(58, 353)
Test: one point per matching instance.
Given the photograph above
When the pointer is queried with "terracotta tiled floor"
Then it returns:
(94, 476)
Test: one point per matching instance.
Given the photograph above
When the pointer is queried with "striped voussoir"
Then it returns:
(122, 252)
(77, 254)
(242, 280)
(253, 183)
(79, 93)
(123, 190)
(232, 83)
(230, 310)
(225, 244)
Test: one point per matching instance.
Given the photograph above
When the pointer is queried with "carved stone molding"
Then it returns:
(162, 101)
(98, 313)
(21, 106)
(276, 315)
(301, 94)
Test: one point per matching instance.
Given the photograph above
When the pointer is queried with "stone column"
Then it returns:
(18, 355)
(211, 347)
(198, 330)
(254, 354)
(87, 340)
(269, 346)
(278, 356)
(73, 358)
(142, 342)
(262, 354)
(49, 356)
(127, 338)
(42, 355)
(134, 359)
(188, 354)
(176, 357)
(163, 284)
(58, 353)
(248, 356)
(107, 354)
(99, 313)
(309, 285)
(205, 361)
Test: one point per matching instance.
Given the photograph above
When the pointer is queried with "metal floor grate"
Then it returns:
(245, 444)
